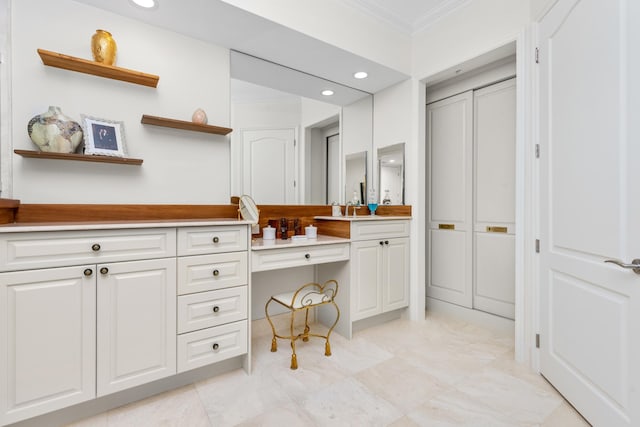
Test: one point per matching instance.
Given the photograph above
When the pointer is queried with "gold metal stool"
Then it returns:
(308, 296)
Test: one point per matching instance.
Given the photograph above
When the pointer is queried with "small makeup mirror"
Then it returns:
(248, 209)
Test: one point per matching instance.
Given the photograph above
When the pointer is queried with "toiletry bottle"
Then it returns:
(284, 228)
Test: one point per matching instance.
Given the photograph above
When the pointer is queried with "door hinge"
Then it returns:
(294, 142)
(537, 56)
(537, 340)
(537, 246)
(537, 151)
(294, 182)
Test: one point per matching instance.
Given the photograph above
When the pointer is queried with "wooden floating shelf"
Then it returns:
(181, 124)
(79, 157)
(80, 65)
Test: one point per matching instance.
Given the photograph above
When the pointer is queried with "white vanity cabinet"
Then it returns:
(213, 300)
(379, 267)
(47, 340)
(136, 323)
(83, 314)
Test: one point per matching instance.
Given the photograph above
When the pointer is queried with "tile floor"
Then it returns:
(442, 372)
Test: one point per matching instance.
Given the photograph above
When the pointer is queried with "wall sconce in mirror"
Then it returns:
(391, 174)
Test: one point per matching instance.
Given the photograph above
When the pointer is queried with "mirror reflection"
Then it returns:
(356, 177)
(391, 174)
(290, 144)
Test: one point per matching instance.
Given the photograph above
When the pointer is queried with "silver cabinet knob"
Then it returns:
(95, 247)
(216, 239)
(104, 270)
(635, 264)
(88, 272)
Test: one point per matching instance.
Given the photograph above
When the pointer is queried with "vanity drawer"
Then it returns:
(272, 259)
(209, 272)
(211, 240)
(211, 345)
(21, 251)
(213, 308)
(368, 230)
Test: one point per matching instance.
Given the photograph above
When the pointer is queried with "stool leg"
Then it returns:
(305, 334)
(274, 344)
(294, 358)
(327, 346)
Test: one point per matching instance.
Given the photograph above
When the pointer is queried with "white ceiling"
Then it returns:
(218, 22)
(408, 16)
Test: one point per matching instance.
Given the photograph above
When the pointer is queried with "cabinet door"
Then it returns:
(395, 283)
(47, 340)
(366, 274)
(136, 323)
(450, 146)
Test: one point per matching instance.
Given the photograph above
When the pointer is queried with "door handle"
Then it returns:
(635, 264)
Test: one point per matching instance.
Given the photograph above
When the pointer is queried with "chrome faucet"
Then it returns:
(353, 205)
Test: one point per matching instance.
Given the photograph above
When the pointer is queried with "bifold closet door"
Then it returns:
(449, 141)
(494, 144)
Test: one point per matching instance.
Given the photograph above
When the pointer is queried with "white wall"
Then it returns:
(539, 8)
(179, 166)
(475, 28)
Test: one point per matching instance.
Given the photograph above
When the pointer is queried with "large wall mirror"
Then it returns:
(291, 144)
(391, 174)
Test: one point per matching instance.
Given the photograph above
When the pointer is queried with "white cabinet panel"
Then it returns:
(209, 240)
(211, 345)
(366, 275)
(366, 230)
(494, 288)
(272, 259)
(209, 272)
(136, 323)
(395, 294)
(450, 267)
(206, 309)
(449, 135)
(21, 251)
(495, 153)
(48, 327)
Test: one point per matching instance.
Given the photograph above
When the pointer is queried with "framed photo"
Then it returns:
(103, 137)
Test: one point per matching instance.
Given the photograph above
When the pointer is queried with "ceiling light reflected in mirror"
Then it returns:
(361, 75)
(327, 92)
(145, 4)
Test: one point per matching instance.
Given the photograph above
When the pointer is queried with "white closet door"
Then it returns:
(494, 149)
(449, 140)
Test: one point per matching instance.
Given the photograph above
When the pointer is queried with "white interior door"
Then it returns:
(449, 145)
(269, 169)
(590, 147)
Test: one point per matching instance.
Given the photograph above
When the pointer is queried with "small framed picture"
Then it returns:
(103, 137)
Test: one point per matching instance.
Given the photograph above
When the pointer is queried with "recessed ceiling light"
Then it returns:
(327, 92)
(361, 75)
(391, 160)
(147, 4)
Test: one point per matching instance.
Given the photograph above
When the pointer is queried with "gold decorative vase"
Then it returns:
(104, 47)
